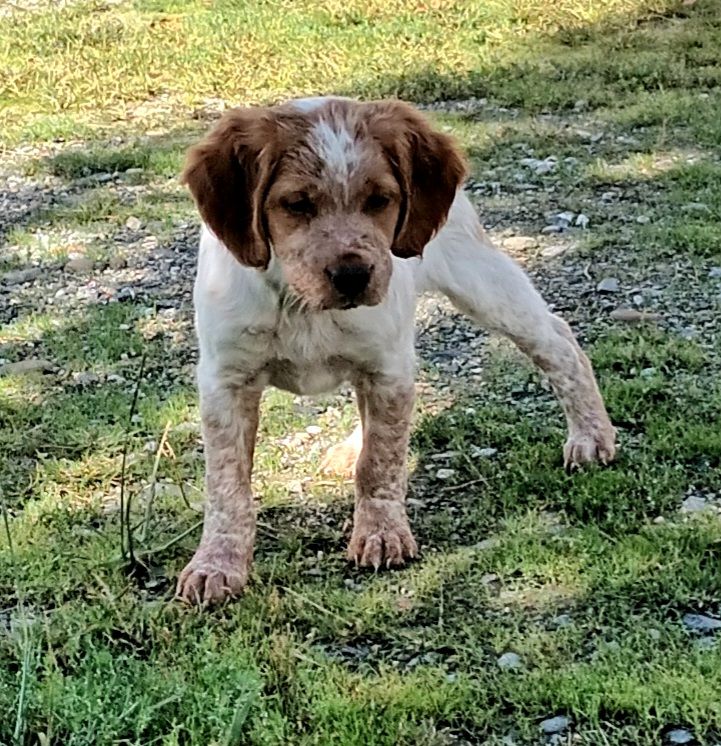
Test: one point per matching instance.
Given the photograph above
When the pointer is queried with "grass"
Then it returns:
(587, 577)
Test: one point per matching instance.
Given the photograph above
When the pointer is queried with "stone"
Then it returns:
(695, 504)
(552, 229)
(314, 430)
(565, 217)
(632, 316)
(679, 735)
(608, 285)
(21, 276)
(510, 662)
(80, 265)
(643, 219)
(445, 473)
(520, 243)
(714, 272)
(582, 221)
(117, 262)
(133, 223)
(555, 725)
(23, 367)
(477, 452)
(701, 623)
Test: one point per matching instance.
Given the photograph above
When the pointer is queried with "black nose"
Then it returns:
(350, 280)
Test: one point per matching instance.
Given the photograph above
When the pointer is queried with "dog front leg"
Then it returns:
(381, 532)
(221, 564)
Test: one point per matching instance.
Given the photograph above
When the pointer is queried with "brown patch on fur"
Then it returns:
(429, 167)
(221, 564)
(228, 174)
(381, 532)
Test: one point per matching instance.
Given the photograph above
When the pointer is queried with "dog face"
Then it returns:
(331, 192)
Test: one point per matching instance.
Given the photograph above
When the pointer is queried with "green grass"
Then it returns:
(586, 577)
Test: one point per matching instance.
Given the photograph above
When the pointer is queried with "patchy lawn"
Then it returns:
(594, 133)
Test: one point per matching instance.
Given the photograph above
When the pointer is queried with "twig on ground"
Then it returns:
(126, 532)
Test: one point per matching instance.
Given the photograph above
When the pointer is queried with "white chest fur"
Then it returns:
(247, 332)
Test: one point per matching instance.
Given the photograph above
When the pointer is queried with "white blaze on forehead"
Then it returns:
(338, 150)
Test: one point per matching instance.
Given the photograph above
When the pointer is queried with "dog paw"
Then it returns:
(382, 541)
(598, 445)
(213, 574)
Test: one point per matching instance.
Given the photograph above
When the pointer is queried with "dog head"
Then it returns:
(331, 191)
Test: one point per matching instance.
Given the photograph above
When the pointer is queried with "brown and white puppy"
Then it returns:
(324, 219)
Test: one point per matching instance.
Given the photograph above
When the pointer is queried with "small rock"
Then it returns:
(26, 366)
(133, 223)
(565, 217)
(509, 662)
(697, 206)
(631, 315)
(445, 473)
(694, 504)
(701, 623)
(555, 725)
(490, 543)
(117, 262)
(582, 220)
(679, 735)
(561, 621)
(21, 276)
(714, 272)
(85, 378)
(520, 243)
(608, 285)
(549, 252)
(552, 229)
(314, 430)
(477, 452)
(643, 219)
(80, 265)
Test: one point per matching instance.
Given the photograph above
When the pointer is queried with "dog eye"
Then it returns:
(376, 202)
(299, 206)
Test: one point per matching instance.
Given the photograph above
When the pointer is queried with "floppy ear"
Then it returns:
(429, 168)
(227, 174)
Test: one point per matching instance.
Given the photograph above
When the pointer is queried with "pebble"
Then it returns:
(26, 366)
(679, 735)
(80, 265)
(555, 725)
(520, 243)
(582, 220)
(552, 229)
(714, 272)
(477, 452)
(445, 473)
(510, 661)
(314, 430)
(21, 276)
(133, 223)
(631, 315)
(552, 251)
(701, 623)
(540, 166)
(565, 217)
(608, 285)
(695, 504)
(643, 219)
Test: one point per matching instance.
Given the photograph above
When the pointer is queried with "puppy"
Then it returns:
(324, 219)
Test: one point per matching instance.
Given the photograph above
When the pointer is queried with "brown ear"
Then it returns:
(428, 166)
(227, 173)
